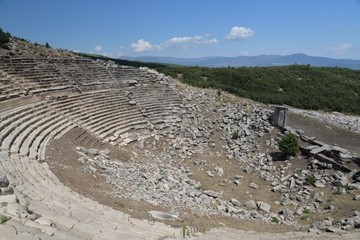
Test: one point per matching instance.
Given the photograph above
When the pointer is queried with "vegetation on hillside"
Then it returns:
(325, 88)
(4, 36)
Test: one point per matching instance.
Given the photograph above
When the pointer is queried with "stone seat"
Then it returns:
(15, 129)
(109, 125)
(11, 120)
(86, 114)
(98, 120)
(99, 104)
(30, 134)
(51, 130)
(78, 100)
(125, 124)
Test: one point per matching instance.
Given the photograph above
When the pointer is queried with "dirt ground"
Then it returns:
(74, 174)
(327, 133)
(62, 158)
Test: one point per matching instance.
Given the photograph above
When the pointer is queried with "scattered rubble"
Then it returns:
(169, 183)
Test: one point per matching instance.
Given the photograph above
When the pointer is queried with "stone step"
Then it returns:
(24, 123)
(111, 127)
(52, 129)
(25, 144)
(13, 123)
(97, 118)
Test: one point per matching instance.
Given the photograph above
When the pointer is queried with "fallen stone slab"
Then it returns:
(320, 149)
(8, 198)
(164, 215)
(345, 157)
(278, 188)
(334, 230)
(44, 221)
(248, 169)
(6, 190)
(213, 194)
(307, 138)
(92, 152)
(263, 206)
(250, 204)
(235, 202)
(319, 184)
(253, 185)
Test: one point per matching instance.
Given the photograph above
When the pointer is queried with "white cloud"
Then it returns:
(342, 47)
(190, 40)
(98, 48)
(142, 46)
(240, 33)
(76, 51)
(183, 42)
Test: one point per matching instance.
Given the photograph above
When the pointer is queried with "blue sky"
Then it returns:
(189, 28)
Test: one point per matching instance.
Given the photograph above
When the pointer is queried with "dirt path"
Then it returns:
(327, 133)
(233, 234)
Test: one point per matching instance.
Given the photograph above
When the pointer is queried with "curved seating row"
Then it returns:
(39, 189)
(108, 114)
(28, 75)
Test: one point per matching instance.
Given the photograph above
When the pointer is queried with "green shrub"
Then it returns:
(339, 191)
(275, 220)
(304, 217)
(235, 135)
(289, 145)
(310, 179)
(3, 219)
(4, 37)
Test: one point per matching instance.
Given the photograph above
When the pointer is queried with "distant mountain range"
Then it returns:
(252, 61)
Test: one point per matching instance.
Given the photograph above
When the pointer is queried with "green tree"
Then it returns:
(289, 145)
(47, 45)
(4, 37)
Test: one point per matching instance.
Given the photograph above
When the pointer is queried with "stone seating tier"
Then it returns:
(35, 75)
(106, 111)
(72, 214)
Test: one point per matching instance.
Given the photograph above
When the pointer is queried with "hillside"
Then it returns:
(301, 86)
(255, 61)
(329, 89)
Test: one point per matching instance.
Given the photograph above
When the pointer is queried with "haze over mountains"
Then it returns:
(252, 61)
